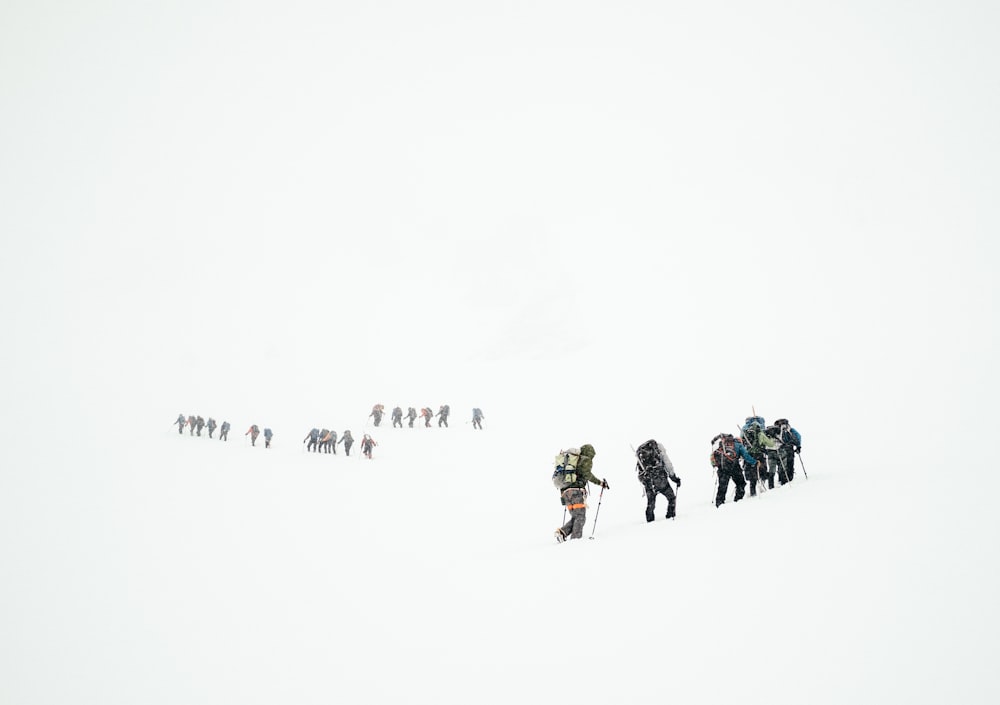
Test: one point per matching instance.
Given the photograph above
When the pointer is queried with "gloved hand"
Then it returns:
(605, 485)
(798, 449)
(677, 481)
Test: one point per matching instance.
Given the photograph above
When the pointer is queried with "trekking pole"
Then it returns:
(799, 453)
(597, 513)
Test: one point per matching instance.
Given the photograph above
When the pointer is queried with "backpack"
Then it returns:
(648, 455)
(565, 463)
(267, 433)
(725, 452)
(756, 422)
(787, 434)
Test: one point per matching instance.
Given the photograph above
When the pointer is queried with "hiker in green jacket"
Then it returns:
(575, 495)
(758, 444)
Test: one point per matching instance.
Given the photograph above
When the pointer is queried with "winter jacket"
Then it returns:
(584, 468)
(791, 437)
(758, 442)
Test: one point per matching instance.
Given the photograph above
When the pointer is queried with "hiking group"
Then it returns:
(760, 454)
(426, 413)
(325, 440)
(196, 423)
(755, 458)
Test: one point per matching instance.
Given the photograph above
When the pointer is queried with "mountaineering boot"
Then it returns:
(649, 515)
(560, 536)
(671, 512)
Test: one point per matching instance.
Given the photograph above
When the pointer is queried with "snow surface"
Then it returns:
(599, 223)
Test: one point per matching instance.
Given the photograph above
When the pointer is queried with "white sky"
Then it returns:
(782, 203)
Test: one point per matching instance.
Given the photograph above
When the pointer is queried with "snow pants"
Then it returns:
(731, 471)
(760, 472)
(664, 488)
(786, 463)
(574, 499)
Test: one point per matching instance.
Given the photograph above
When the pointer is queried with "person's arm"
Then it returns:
(742, 451)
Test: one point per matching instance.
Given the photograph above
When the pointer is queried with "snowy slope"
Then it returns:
(599, 222)
(217, 572)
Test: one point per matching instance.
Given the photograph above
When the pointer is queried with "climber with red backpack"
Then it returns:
(725, 458)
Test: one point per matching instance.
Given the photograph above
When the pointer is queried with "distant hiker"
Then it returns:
(757, 443)
(348, 440)
(790, 443)
(725, 459)
(253, 432)
(192, 421)
(180, 423)
(442, 415)
(367, 444)
(575, 475)
(655, 469)
(211, 426)
(397, 417)
(332, 445)
(477, 418)
(377, 412)
(224, 431)
(268, 435)
(313, 438)
(199, 424)
(411, 415)
(324, 441)
(426, 414)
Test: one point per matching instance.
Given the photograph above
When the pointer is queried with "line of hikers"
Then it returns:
(325, 441)
(760, 454)
(765, 452)
(426, 413)
(196, 423)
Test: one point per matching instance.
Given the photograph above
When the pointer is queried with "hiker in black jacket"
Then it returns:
(348, 440)
(655, 470)
(313, 438)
